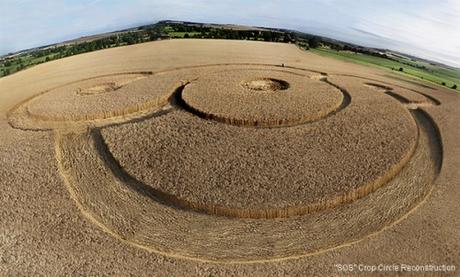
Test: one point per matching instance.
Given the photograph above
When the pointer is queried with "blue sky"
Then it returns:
(426, 28)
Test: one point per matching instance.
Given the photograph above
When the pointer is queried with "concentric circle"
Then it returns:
(100, 88)
(97, 101)
(198, 180)
(104, 97)
(268, 172)
(265, 84)
(261, 97)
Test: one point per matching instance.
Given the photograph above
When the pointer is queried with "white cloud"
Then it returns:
(431, 31)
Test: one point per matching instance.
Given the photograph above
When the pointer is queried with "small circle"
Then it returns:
(265, 84)
(101, 97)
(99, 89)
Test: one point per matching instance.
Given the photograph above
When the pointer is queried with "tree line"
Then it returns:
(172, 30)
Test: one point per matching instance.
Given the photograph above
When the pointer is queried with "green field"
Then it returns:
(404, 66)
(182, 34)
(23, 62)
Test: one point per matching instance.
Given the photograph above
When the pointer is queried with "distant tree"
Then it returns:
(153, 36)
(336, 46)
(6, 72)
(401, 69)
(313, 42)
(47, 59)
(99, 44)
(186, 35)
(443, 83)
(267, 36)
(128, 38)
(287, 38)
(454, 86)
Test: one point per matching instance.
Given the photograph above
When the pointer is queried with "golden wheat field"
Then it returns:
(223, 158)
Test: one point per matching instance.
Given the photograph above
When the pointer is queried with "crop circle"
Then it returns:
(133, 92)
(265, 84)
(246, 96)
(98, 100)
(238, 163)
(99, 88)
(267, 173)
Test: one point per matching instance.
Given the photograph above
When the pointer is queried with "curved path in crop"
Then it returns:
(161, 222)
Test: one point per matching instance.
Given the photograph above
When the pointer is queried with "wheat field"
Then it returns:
(206, 157)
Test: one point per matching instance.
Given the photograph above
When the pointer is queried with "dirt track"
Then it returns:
(76, 200)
